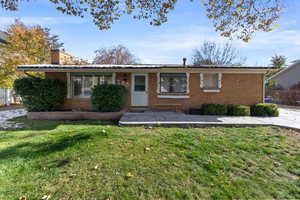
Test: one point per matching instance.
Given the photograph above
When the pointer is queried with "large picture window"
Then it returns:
(173, 83)
(82, 84)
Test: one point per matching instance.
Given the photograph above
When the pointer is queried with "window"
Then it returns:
(77, 85)
(210, 80)
(82, 84)
(87, 85)
(173, 83)
(139, 83)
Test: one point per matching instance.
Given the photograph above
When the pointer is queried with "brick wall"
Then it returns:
(85, 104)
(243, 89)
(74, 103)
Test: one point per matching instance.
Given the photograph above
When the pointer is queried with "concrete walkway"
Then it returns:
(289, 118)
(5, 115)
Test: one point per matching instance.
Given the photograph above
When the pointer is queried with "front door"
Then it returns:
(139, 92)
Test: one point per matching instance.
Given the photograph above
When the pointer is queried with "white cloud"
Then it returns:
(173, 43)
(178, 39)
(271, 40)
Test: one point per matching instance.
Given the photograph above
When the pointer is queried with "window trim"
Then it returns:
(70, 83)
(168, 93)
(173, 96)
(211, 91)
(217, 89)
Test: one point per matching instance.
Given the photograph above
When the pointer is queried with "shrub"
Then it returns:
(214, 109)
(40, 95)
(264, 110)
(109, 98)
(195, 111)
(237, 110)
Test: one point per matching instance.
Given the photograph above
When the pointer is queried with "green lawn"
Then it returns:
(90, 160)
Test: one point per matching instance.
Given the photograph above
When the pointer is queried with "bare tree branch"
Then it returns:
(210, 53)
(115, 55)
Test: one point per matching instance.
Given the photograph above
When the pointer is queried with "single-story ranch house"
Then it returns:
(158, 86)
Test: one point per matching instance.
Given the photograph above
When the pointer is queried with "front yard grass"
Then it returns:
(93, 160)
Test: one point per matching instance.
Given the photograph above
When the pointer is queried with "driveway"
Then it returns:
(5, 115)
(289, 118)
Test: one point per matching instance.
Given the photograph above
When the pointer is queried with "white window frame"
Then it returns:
(70, 86)
(168, 94)
(207, 89)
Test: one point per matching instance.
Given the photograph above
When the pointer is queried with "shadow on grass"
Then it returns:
(33, 150)
(53, 124)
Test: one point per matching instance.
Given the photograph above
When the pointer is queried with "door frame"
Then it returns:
(146, 87)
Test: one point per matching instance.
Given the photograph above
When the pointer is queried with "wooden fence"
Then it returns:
(6, 96)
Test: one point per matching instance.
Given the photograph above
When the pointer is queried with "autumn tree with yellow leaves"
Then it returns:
(231, 18)
(24, 45)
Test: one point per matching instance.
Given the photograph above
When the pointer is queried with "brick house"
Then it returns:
(158, 86)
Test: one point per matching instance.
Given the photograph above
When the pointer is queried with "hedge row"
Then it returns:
(270, 110)
(109, 98)
(264, 110)
(40, 95)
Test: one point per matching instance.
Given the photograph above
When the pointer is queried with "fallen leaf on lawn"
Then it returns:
(277, 164)
(22, 198)
(46, 197)
(96, 167)
(129, 175)
(72, 175)
(176, 165)
(147, 149)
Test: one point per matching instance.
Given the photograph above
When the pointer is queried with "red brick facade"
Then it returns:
(237, 88)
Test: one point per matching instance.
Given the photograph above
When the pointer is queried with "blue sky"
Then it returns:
(186, 29)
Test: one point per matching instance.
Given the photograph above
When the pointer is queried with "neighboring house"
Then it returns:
(159, 86)
(289, 76)
(3, 37)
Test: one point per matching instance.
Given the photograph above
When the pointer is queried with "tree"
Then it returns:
(24, 45)
(210, 53)
(118, 55)
(278, 61)
(232, 18)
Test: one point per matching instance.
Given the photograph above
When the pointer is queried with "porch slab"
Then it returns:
(289, 118)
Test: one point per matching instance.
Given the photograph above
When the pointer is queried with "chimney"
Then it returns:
(184, 61)
(59, 57)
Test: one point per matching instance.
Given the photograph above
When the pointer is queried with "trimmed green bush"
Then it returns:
(40, 95)
(195, 111)
(214, 109)
(264, 110)
(237, 110)
(109, 98)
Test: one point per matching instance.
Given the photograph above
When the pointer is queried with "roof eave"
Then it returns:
(161, 69)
